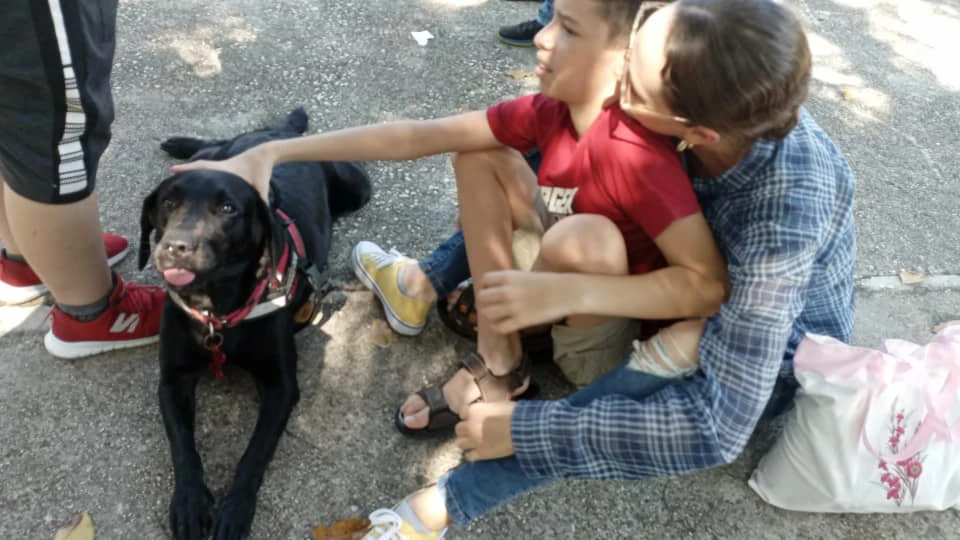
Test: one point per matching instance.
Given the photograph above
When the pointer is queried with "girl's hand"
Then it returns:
(255, 166)
(513, 299)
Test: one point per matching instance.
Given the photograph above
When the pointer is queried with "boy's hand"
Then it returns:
(255, 166)
(513, 299)
(484, 430)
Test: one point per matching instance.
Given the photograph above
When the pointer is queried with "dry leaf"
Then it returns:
(937, 328)
(520, 74)
(848, 93)
(344, 529)
(79, 528)
(381, 334)
(910, 278)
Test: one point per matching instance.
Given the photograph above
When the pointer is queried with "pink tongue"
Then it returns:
(178, 277)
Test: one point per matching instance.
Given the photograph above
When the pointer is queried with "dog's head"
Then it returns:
(210, 227)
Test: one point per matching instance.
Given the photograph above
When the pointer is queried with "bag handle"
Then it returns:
(939, 353)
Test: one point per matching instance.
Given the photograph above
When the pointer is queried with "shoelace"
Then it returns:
(141, 297)
(386, 523)
(386, 258)
(529, 26)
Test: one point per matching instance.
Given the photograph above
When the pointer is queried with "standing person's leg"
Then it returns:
(55, 115)
(521, 34)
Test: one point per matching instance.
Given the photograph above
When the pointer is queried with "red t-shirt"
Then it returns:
(618, 169)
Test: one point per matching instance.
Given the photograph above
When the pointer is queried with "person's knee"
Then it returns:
(501, 162)
(584, 243)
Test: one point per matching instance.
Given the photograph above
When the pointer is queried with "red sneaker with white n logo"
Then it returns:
(132, 319)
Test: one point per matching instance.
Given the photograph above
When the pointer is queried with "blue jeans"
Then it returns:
(545, 13)
(475, 488)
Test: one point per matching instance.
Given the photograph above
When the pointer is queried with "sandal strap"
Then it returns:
(433, 397)
(477, 366)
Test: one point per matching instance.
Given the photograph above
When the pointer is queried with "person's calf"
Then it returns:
(64, 245)
(6, 237)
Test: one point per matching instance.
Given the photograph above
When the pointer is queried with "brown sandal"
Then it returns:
(442, 418)
(461, 317)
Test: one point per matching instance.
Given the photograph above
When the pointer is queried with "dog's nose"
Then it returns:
(178, 246)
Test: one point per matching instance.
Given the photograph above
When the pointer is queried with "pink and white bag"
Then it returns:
(872, 430)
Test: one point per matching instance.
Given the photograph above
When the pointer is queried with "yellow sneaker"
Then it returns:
(380, 272)
(386, 524)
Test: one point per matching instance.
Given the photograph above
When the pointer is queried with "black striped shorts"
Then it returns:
(55, 101)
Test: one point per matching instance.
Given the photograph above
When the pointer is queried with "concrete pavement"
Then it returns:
(86, 435)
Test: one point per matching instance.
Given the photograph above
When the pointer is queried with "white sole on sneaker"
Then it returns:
(80, 349)
(11, 295)
(393, 320)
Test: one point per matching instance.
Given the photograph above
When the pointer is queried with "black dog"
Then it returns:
(243, 278)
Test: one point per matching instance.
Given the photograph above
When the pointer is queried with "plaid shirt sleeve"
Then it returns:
(707, 420)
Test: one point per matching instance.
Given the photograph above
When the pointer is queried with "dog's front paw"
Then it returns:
(191, 512)
(235, 517)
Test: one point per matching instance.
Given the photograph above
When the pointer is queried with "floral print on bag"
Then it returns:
(900, 480)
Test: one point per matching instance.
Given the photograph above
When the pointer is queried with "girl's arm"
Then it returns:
(694, 284)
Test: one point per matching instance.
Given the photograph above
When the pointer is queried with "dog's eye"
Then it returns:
(226, 208)
(168, 204)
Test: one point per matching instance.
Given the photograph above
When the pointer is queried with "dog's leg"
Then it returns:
(279, 393)
(192, 504)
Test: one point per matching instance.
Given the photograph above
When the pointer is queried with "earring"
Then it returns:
(683, 145)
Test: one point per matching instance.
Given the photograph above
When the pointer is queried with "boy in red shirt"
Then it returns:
(611, 198)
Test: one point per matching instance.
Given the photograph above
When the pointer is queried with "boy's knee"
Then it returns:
(480, 158)
(584, 243)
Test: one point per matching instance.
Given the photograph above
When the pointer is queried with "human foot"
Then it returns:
(392, 276)
(433, 409)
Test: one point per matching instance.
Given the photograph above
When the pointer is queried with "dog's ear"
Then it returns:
(148, 220)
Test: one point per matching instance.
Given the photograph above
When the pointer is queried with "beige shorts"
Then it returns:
(583, 354)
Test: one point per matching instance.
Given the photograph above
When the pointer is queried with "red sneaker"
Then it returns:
(131, 320)
(18, 283)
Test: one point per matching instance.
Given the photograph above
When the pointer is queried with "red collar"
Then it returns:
(272, 292)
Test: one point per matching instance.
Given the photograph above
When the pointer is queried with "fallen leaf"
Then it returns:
(520, 74)
(381, 334)
(911, 278)
(79, 528)
(344, 529)
(937, 328)
(848, 93)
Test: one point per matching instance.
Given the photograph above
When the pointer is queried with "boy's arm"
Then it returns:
(401, 140)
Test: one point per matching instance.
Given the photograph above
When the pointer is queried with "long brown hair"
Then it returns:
(740, 67)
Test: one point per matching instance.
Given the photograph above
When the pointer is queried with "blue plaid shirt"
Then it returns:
(783, 218)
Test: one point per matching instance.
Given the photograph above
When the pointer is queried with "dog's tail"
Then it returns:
(297, 120)
(189, 147)
(348, 187)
